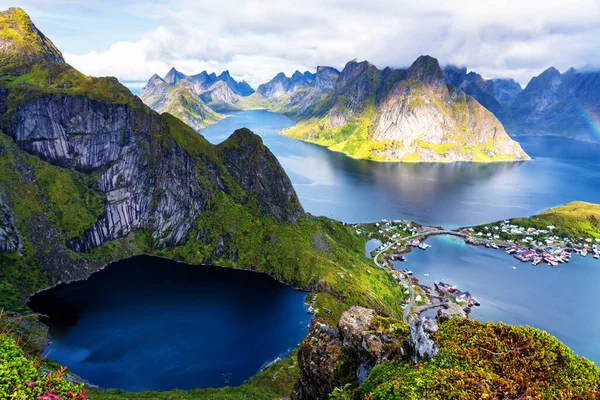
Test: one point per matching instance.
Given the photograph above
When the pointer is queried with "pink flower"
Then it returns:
(50, 396)
(30, 384)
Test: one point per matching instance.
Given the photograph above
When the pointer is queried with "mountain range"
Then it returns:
(552, 103)
(403, 115)
(89, 175)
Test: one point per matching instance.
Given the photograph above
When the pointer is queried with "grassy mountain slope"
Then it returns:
(408, 115)
(575, 219)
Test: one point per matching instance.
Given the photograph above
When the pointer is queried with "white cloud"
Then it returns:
(257, 39)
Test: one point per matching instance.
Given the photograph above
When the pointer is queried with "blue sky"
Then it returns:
(132, 39)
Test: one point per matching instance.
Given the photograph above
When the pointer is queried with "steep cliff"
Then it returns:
(89, 174)
(370, 357)
(406, 115)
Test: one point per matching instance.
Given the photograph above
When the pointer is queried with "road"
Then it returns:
(410, 286)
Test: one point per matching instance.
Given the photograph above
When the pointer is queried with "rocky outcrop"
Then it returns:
(239, 88)
(281, 85)
(258, 171)
(421, 345)
(329, 357)
(325, 78)
(179, 99)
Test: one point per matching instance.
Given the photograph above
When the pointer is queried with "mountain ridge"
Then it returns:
(405, 115)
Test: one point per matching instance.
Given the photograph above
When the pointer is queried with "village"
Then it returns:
(396, 238)
(530, 244)
(526, 243)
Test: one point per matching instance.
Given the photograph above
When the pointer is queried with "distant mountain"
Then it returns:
(493, 94)
(403, 115)
(176, 95)
(191, 98)
(565, 104)
(302, 94)
(281, 85)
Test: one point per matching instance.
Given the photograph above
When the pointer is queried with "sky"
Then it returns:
(254, 40)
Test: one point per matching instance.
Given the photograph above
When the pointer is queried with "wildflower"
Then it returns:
(30, 384)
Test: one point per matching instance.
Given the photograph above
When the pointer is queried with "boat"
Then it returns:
(596, 255)
(493, 245)
(425, 274)
(584, 253)
(514, 267)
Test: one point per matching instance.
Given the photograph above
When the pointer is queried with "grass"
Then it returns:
(575, 219)
(487, 361)
(181, 104)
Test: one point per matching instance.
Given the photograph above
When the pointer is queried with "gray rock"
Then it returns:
(422, 346)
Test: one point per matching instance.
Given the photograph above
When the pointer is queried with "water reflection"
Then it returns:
(351, 190)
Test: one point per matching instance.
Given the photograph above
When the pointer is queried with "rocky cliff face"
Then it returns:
(122, 144)
(329, 358)
(156, 173)
(407, 115)
(258, 171)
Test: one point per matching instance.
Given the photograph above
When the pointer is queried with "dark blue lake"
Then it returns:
(150, 323)
(456, 194)
(562, 300)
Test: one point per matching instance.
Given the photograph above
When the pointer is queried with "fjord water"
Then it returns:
(455, 194)
(150, 323)
(561, 300)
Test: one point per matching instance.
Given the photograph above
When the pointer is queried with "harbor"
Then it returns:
(531, 244)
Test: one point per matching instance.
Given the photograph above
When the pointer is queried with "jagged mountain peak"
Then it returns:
(552, 71)
(324, 68)
(20, 40)
(173, 76)
(427, 70)
(155, 77)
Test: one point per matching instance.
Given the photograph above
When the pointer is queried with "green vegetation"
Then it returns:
(575, 219)
(190, 109)
(356, 137)
(486, 361)
(20, 378)
(51, 205)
